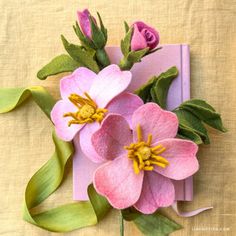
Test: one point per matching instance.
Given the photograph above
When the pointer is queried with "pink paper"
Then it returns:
(154, 64)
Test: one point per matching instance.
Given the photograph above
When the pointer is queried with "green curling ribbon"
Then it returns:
(48, 178)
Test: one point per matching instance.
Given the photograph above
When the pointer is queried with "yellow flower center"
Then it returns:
(144, 156)
(88, 112)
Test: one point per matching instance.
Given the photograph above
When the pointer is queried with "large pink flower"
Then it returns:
(142, 159)
(86, 99)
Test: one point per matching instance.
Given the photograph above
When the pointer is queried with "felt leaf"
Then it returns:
(125, 43)
(50, 176)
(59, 64)
(136, 56)
(189, 121)
(78, 53)
(156, 225)
(130, 214)
(156, 88)
(97, 35)
(204, 112)
(187, 133)
(10, 98)
(86, 42)
(100, 204)
(126, 27)
(102, 27)
(153, 50)
(160, 89)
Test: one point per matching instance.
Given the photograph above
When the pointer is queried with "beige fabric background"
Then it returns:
(30, 36)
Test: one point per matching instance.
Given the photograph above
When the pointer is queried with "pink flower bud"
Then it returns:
(143, 36)
(85, 23)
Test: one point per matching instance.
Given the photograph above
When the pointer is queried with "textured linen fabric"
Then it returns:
(30, 37)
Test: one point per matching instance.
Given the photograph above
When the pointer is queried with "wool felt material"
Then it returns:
(103, 88)
(123, 186)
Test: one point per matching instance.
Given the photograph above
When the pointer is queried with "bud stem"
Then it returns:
(125, 64)
(102, 57)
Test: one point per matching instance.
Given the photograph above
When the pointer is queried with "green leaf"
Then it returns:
(160, 89)
(153, 50)
(189, 121)
(144, 91)
(10, 98)
(126, 27)
(102, 27)
(187, 133)
(136, 56)
(156, 225)
(86, 42)
(59, 64)
(49, 177)
(80, 55)
(156, 88)
(130, 214)
(125, 43)
(98, 37)
(100, 204)
(204, 112)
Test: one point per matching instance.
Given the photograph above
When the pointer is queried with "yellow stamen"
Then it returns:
(139, 133)
(149, 141)
(159, 151)
(158, 164)
(148, 168)
(144, 156)
(88, 112)
(160, 159)
(136, 167)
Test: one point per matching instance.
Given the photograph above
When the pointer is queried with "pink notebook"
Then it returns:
(170, 55)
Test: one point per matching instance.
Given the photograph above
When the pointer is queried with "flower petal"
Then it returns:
(143, 27)
(109, 83)
(86, 142)
(110, 139)
(64, 131)
(156, 121)
(158, 191)
(78, 82)
(138, 41)
(125, 104)
(181, 155)
(85, 23)
(117, 181)
(83, 171)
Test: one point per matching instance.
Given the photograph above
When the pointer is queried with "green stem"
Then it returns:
(121, 224)
(125, 64)
(102, 57)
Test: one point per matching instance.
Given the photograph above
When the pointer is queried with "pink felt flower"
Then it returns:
(142, 159)
(143, 36)
(86, 99)
(83, 17)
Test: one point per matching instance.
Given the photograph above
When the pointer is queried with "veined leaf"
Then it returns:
(100, 204)
(188, 120)
(79, 54)
(59, 64)
(156, 89)
(156, 225)
(188, 133)
(11, 98)
(48, 178)
(204, 112)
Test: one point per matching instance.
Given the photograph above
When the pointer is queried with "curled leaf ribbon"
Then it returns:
(49, 177)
